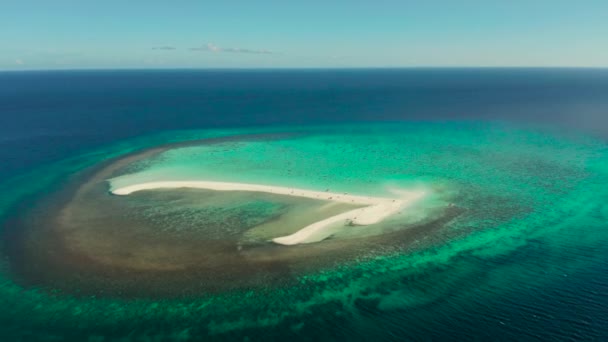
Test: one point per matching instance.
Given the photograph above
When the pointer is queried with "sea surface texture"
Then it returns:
(510, 242)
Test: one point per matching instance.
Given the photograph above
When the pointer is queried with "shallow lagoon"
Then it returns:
(527, 196)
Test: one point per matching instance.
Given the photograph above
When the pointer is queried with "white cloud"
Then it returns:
(164, 48)
(213, 48)
(19, 61)
(216, 49)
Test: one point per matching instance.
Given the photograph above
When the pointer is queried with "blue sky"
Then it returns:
(63, 34)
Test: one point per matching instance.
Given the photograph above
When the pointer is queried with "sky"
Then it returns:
(84, 34)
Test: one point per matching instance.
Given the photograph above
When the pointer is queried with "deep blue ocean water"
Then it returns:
(46, 117)
(50, 115)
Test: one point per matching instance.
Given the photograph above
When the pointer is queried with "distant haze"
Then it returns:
(68, 34)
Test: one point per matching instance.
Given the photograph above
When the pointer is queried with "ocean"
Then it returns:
(521, 153)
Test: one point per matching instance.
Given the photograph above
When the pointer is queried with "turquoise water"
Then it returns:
(535, 215)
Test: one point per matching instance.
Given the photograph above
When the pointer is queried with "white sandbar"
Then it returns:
(376, 208)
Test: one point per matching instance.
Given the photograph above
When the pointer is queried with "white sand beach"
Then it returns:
(376, 208)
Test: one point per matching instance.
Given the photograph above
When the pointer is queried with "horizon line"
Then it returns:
(294, 68)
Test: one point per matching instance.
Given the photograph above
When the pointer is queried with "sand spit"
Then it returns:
(376, 208)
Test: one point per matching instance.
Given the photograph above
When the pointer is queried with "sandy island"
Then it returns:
(375, 209)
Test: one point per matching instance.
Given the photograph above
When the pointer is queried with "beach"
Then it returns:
(375, 209)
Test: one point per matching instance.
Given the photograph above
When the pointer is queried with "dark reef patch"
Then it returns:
(84, 241)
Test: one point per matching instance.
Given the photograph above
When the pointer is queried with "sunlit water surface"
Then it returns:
(534, 219)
